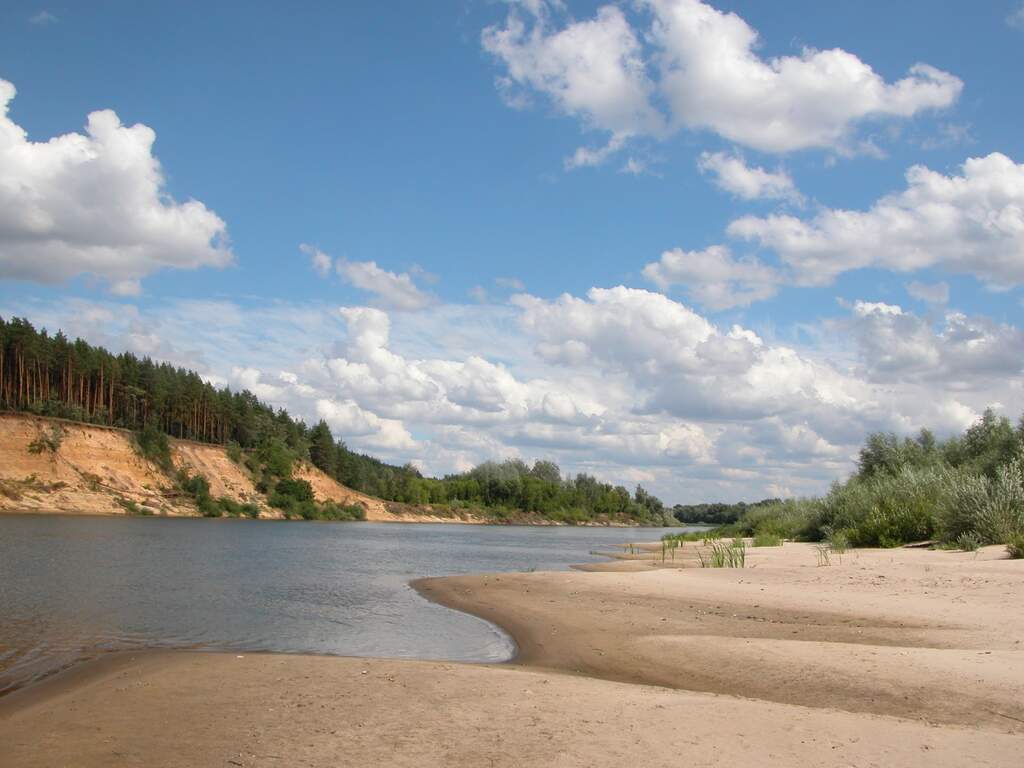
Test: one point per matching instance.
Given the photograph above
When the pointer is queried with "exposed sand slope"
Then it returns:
(92, 470)
(97, 469)
(930, 636)
(326, 488)
(191, 709)
(226, 478)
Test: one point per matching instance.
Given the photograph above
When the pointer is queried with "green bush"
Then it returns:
(992, 510)
(969, 541)
(48, 442)
(234, 451)
(300, 490)
(766, 539)
(1015, 546)
(152, 444)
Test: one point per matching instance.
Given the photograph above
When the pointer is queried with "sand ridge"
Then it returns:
(909, 633)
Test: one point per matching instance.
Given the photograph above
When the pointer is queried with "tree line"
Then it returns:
(716, 513)
(50, 375)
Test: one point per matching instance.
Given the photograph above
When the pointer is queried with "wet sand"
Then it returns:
(891, 658)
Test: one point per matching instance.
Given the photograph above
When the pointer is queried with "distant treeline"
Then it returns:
(716, 513)
(54, 376)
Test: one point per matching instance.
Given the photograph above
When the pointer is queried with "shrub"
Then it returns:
(234, 451)
(129, 506)
(152, 444)
(767, 539)
(884, 510)
(48, 442)
(300, 490)
(1015, 546)
(788, 519)
(969, 541)
(838, 541)
(992, 510)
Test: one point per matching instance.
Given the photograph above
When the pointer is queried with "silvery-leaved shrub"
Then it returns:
(963, 503)
(1003, 517)
(992, 510)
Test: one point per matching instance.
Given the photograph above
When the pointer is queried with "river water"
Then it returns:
(74, 587)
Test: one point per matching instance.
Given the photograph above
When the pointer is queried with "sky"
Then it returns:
(705, 247)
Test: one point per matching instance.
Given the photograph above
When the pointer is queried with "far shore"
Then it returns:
(424, 518)
(888, 658)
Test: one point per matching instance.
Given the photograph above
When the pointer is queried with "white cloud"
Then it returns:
(592, 70)
(622, 383)
(634, 166)
(392, 291)
(964, 352)
(701, 65)
(585, 157)
(510, 283)
(1016, 18)
(713, 278)
(43, 18)
(319, 260)
(714, 79)
(970, 223)
(731, 173)
(95, 204)
(932, 293)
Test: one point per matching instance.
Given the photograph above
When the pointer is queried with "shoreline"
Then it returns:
(424, 519)
(893, 657)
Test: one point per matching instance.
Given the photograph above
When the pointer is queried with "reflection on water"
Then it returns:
(72, 587)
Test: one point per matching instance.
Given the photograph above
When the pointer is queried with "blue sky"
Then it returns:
(435, 141)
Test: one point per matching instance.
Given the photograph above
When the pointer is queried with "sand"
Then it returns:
(891, 658)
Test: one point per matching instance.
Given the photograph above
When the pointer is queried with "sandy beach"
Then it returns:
(887, 658)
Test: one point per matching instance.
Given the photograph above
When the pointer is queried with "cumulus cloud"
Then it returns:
(702, 65)
(713, 278)
(592, 70)
(392, 290)
(96, 204)
(620, 382)
(714, 79)
(965, 352)
(969, 223)
(731, 173)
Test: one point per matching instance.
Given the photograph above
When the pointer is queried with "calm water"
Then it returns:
(73, 587)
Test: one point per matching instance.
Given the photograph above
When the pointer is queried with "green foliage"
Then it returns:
(275, 458)
(767, 539)
(990, 509)
(716, 513)
(1015, 546)
(722, 555)
(234, 451)
(48, 441)
(158, 400)
(838, 541)
(788, 519)
(152, 444)
(969, 541)
(966, 491)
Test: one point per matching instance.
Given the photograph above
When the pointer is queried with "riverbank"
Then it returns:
(904, 657)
